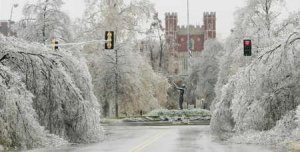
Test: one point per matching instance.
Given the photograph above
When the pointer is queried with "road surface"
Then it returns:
(158, 139)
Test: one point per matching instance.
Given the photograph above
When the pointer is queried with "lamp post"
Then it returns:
(10, 18)
(189, 59)
(188, 36)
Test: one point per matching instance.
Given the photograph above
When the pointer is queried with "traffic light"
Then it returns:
(247, 48)
(109, 40)
(54, 44)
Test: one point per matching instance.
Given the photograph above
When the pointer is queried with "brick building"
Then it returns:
(177, 37)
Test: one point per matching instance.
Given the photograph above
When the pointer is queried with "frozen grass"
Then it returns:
(180, 113)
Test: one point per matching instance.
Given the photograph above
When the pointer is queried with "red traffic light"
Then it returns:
(247, 42)
(247, 47)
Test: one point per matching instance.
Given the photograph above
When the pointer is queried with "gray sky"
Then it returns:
(224, 8)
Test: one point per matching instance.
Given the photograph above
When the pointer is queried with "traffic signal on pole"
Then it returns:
(109, 40)
(54, 44)
(247, 48)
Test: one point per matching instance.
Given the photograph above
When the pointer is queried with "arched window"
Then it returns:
(210, 26)
(192, 44)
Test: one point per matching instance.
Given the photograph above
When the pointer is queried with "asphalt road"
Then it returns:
(159, 139)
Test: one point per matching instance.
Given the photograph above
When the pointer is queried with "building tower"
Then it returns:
(209, 20)
(171, 21)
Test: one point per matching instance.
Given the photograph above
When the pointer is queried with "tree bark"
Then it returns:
(44, 26)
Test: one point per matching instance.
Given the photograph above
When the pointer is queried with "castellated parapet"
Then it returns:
(171, 14)
(210, 14)
(194, 30)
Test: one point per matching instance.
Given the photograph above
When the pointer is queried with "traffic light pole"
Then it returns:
(116, 78)
(116, 84)
(82, 43)
(56, 45)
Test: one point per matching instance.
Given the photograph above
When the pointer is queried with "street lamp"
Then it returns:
(11, 11)
(10, 18)
(188, 35)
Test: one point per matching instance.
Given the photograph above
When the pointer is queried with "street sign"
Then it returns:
(247, 47)
(109, 40)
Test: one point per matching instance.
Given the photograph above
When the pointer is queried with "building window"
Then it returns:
(192, 44)
(210, 27)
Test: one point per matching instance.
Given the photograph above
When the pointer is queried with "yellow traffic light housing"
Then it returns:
(54, 44)
(109, 40)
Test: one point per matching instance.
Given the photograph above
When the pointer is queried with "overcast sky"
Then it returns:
(224, 9)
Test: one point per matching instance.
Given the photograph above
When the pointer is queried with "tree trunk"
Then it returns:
(151, 57)
(161, 49)
(44, 26)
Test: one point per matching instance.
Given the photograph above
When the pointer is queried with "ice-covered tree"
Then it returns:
(61, 97)
(251, 23)
(43, 21)
(156, 31)
(204, 73)
(259, 93)
(139, 87)
(258, 20)
(123, 17)
(115, 87)
(263, 96)
(18, 124)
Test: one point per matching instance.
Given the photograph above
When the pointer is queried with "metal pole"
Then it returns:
(112, 5)
(10, 18)
(188, 36)
(188, 43)
(11, 11)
